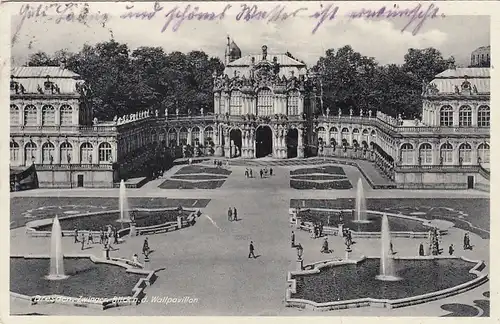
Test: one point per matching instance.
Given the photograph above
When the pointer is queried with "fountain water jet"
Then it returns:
(124, 215)
(360, 209)
(387, 272)
(56, 270)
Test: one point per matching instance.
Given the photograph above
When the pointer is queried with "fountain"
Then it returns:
(56, 270)
(360, 209)
(387, 272)
(124, 215)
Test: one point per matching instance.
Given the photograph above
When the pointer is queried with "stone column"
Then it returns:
(217, 103)
(300, 145)
(301, 104)
(190, 136)
(474, 114)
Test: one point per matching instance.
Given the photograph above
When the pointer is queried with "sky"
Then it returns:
(382, 39)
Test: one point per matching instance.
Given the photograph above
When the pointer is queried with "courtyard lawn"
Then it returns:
(328, 169)
(305, 185)
(464, 212)
(198, 177)
(25, 209)
(179, 184)
(193, 169)
(314, 177)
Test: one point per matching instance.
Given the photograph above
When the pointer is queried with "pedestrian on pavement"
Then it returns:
(271, 172)
(91, 237)
(145, 247)
(251, 173)
(421, 249)
(324, 247)
(229, 214)
(451, 249)
(83, 241)
(76, 235)
(251, 253)
(261, 173)
(235, 214)
(293, 239)
(115, 236)
(246, 173)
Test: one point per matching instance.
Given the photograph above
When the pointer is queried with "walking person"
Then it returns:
(271, 172)
(451, 249)
(293, 239)
(324, 247)
(101, 236)
(235, 214)
(261, 173)
(76, 235)
(115, 234)
(145, 247)
(252, 249)
(230, 214)
(465, 242)
(251, 173)
(91, 237)
(83, 242)
(246, 173)
(421, 249)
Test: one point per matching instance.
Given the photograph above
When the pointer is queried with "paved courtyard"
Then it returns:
(209, 260)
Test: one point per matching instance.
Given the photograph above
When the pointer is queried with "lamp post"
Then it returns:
(300, 261)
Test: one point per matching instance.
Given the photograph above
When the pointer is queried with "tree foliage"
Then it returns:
(124, 81)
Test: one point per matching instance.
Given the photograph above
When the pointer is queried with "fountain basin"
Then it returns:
(329, 285)
(148, 221)
(91, 282)
(401, 225)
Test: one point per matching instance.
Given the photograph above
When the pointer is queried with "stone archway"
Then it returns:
(235, 138)
(263, 141)
(292, 142)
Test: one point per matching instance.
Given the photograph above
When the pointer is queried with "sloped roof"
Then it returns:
(42, 72)
(447, 80)
(33, 77)
(286, 63)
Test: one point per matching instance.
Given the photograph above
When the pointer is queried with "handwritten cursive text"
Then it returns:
(177, 16)
(252, 12)
(326, 13)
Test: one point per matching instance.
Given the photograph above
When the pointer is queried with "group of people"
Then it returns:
(317, 230)
(347, 234)
(248, 173)
(264, 172)
(435, 242)
(232, 214)
(105, 237)
(219, 163)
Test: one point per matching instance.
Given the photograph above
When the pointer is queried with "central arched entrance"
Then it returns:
(292, 142)
(263, 141)
(235, 142)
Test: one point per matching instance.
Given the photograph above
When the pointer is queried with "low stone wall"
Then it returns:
(146, 230)
(102, 303)
(329, 230)
(384, 303)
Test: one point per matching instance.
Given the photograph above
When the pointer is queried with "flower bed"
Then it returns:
(198, 177)
(179, 184)
(314, 177)
(190, 169)
(305, 185)
(328, 169)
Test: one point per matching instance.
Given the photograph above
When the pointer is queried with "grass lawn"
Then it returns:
(190, 169)
(179, 184)
(461, 211)
(305, 185)
(328, 169)
(318, 177)
(25, 209)
(198, 177)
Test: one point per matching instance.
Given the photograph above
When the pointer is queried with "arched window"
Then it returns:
(195, 135)
(265, 103)
(66, 115)
(14, 115)
(334, 130)
(47, 153)
(355, 131)
(407, 153)
(446, 116)
(447, 153)
(14, 151)
(183, 135)
(293, 103)
(321, 134)
(235, 103)
(365, 132)
(483, 152)
(172, 137)
(161, 135)
(30, 152)
(465, 116)
(48, 115)
(222, 104)
(208, 134)
(66, 151)
(464, 153)
(483, 116)
(86, 153)
(30, 115)
(105, 152)
(426, 153)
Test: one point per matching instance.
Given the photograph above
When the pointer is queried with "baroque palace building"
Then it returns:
(264, 105)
